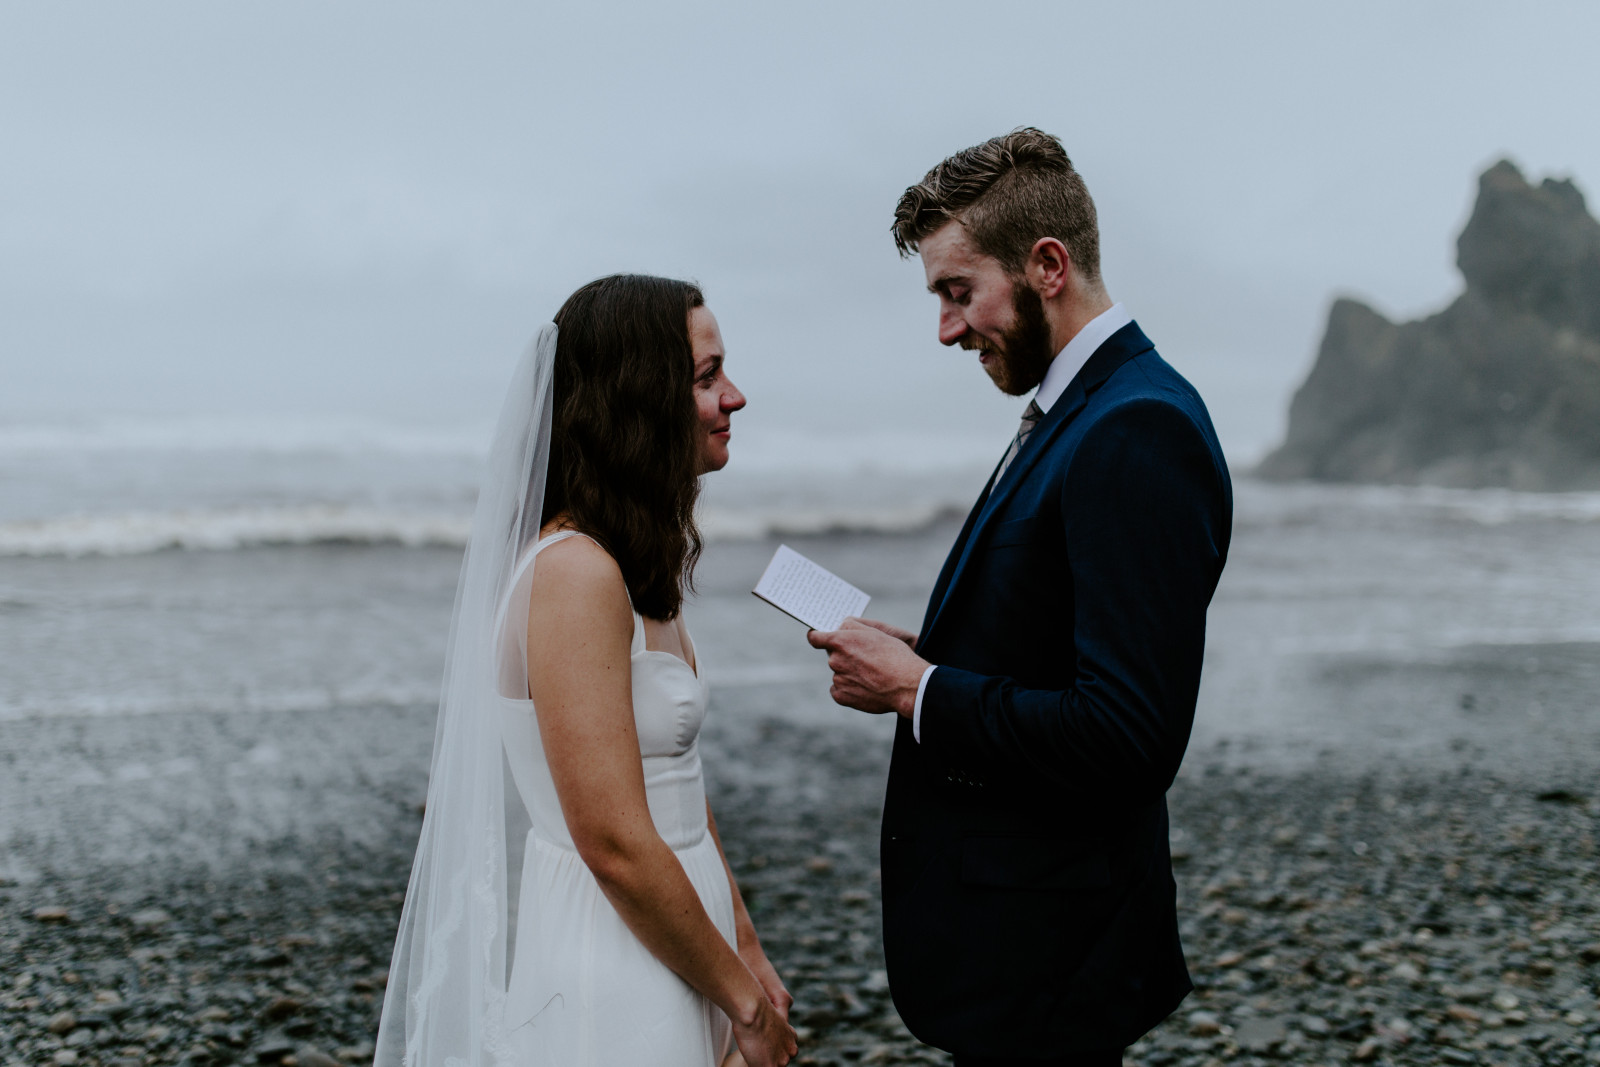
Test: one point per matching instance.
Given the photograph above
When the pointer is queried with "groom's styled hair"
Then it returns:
(1008, 192)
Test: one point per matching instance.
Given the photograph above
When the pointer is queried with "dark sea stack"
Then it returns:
(1502, 388)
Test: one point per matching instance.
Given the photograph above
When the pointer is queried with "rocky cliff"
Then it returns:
(1502, 388)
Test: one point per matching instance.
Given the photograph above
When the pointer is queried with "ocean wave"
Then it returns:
(761, 675)
(1270, 503)
(725, 518)
(261, 436)
(136, 533)
(760, 447)
(1442, 646)
(86, 705)
(122, 705)
(730, 524)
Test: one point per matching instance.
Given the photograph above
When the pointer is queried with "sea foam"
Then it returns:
(90, 704)
(138, 532)
(725, 517)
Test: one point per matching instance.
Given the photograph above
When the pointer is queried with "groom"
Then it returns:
(1028, 899)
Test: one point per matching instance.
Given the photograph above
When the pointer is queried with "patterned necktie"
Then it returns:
(1030, 419)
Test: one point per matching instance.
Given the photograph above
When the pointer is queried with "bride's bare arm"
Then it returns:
(580, 672)
(750, 950)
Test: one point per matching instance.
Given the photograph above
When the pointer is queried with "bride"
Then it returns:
(570, 903)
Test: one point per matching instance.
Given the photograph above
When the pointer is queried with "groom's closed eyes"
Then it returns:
(956, 290)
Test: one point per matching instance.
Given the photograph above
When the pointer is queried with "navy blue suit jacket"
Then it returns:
(1027, 884)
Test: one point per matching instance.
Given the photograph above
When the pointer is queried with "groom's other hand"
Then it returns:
(893, 631)
(874, 668)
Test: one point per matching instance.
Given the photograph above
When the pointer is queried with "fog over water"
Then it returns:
(312, 220)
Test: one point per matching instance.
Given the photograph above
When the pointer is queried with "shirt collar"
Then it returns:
(1070, 360)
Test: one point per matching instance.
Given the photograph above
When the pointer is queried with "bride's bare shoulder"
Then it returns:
(576, 575)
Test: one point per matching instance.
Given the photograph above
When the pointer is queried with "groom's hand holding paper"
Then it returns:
(874, 666)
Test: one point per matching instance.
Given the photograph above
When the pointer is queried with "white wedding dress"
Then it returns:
(582, 989)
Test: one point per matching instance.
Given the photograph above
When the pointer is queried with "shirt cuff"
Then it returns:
(916, 709)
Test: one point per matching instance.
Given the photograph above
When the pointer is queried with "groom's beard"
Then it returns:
(1024, 352)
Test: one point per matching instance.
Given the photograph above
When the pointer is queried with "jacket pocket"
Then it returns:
(1015, 532)
(1031, 863)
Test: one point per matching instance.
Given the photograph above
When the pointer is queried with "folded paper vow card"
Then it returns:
(817, 597)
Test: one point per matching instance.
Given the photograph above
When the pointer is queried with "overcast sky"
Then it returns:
(363, 210)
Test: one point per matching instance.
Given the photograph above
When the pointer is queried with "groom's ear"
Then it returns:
(1049, 267)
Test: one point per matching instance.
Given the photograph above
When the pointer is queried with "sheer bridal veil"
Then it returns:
(447, 981)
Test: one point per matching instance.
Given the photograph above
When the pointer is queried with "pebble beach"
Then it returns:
(1327, 918)
(1384, 854)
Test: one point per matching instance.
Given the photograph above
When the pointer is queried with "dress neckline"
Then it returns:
(693, 668)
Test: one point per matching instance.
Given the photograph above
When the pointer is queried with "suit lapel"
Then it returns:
(1116, 350)
(948, 570)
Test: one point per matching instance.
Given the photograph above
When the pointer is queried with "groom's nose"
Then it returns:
(952, 325)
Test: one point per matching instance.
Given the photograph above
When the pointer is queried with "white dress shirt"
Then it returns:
(1065, 367)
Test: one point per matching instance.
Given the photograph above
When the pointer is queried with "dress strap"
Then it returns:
(637, 645)
(522, 566)
(559, 535)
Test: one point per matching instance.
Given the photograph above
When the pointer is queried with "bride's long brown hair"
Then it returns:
(624, 441)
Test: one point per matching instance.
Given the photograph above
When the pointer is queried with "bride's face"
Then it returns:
(715, 395)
